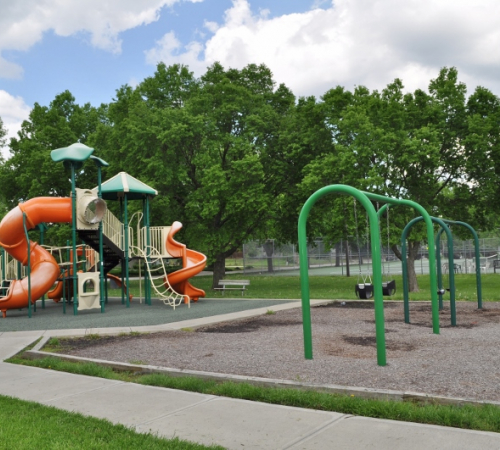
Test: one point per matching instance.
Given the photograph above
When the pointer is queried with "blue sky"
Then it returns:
(93, 47)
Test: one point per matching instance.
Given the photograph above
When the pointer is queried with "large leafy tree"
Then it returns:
(209, 146)
(411, 146)
(29, 171)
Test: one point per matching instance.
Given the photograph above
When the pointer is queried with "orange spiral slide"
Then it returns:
(192, 263)
(44, 268)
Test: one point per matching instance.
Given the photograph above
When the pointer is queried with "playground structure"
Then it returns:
(30, 271)
(377, 287)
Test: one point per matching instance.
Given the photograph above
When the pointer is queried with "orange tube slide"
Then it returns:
(192, 263)
(44, 268)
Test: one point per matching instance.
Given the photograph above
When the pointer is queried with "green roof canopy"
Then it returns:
(122, 184)
(75, 153)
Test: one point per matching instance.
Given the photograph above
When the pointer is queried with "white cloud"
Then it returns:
(170, 51)
(23, 22)
(355, 42)
(13, 111)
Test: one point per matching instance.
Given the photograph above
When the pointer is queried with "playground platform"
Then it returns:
(208, 419)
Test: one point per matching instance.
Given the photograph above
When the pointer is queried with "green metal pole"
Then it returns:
(147, 284)
(73, 237)
(377, 269)
(2, 256)
(42, 233)
(451, 271)
(382, 210)
(478, 259)
(122, 262)
(29, 264)
(125, 224)
(101, 251)
(404, 274)
(439, 270)
(63, 278)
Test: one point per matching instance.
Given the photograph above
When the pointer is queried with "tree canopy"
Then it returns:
(234, 156)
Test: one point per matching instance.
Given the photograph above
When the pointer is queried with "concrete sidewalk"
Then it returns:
(207, 419)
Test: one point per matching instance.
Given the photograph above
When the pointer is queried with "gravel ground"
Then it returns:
(462, 361)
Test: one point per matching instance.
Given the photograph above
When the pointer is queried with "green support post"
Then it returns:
(147, 284)
(451, 271)
(477, 257)
(103, 293)
(73, 238)
(63, 278)
(42, 228)
(125, 227)
(29, 264)
(4, 270)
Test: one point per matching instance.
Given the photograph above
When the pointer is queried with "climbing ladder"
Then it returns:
(158, 277)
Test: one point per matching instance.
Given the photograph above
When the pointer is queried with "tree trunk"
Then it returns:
(347, 265)
(269, 249)
(219, 269)
(337, 254)
(413, 248)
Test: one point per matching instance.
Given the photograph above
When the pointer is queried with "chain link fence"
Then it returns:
(270, 257)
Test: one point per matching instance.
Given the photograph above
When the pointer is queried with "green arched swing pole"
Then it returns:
(477, 257)
(377, 270)
(444, 228)
(437, 272)
(365, 199)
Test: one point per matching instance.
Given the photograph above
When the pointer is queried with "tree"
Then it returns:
(30, 171)
(208, 146)
(410, 146)
(3, 133)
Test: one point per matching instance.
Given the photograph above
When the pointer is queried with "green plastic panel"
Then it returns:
(75, 152)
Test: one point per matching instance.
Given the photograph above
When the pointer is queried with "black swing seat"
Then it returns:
(389, 287)
(364, 290)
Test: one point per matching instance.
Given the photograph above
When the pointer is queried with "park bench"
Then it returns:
(233, 284)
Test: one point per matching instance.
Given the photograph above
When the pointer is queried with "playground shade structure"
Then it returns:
(44, 268)
(193, 262)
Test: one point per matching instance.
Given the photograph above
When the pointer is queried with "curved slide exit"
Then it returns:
(44, 268)
(192, 264)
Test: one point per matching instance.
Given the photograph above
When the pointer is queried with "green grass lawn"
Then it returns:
(484, 417)
(29, 425)
(337, 287)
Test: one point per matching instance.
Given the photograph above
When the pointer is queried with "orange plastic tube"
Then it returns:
(193, 262)
(44, 268)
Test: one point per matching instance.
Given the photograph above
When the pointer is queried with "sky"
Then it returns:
(93, 47)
